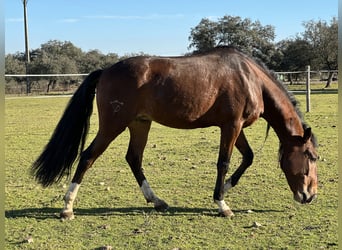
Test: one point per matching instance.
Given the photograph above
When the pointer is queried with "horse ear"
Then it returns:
(307, 134)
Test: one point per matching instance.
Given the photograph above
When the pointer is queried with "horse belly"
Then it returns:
(173, 117)
(183, 111)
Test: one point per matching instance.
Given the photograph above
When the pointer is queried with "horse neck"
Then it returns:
(280, 113)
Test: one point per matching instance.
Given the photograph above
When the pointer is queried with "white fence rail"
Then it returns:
(45, 75)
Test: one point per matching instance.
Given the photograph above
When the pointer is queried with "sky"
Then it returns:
(151, 26)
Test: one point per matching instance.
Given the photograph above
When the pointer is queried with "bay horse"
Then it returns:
(222, 87)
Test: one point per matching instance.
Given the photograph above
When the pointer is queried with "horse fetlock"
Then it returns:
(224, 209)
(228, 185)
(160, 205)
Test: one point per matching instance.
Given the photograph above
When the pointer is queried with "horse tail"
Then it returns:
(68, 139)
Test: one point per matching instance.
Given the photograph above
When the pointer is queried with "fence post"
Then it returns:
(308, 90)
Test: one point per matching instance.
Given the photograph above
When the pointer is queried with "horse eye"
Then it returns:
(310, 155)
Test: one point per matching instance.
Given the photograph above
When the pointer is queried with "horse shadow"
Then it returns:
(53, 213)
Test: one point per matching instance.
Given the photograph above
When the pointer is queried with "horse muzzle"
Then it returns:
(304, 197)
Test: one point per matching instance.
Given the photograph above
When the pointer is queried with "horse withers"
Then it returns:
(222, 87)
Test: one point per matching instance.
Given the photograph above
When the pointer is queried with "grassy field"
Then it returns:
(181, 167)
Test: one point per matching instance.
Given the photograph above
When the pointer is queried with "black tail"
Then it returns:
(68, 139)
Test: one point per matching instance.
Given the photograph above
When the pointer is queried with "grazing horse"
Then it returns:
(222, 87)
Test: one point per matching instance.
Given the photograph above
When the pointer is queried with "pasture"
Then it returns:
(180, 165)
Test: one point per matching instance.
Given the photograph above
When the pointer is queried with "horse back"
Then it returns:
(187, 92)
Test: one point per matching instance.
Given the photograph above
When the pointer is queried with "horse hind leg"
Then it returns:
(88, 157)
(138, 138)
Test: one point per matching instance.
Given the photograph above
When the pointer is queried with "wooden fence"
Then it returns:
(308, 78)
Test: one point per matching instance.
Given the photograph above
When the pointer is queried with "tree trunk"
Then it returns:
(28, 86)
(331, 75)
(50, 84)
(289, 78)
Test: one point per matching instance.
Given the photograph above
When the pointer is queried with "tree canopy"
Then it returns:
(251, 37)
(323, 39)
(316, 46)
(61, 57)
(58, 57)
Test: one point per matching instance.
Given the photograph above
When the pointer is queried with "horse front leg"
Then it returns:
(139, 130)
(247, 160)
(229, 135)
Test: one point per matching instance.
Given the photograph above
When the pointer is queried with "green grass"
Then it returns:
(315, 85)
(181, 168)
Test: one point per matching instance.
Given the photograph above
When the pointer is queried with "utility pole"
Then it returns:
(27, 49)
(308, 89)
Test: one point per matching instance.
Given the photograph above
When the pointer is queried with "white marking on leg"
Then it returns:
(70, 197)
(222, 205)
(159, 204)
(224, 208)
(148, 193)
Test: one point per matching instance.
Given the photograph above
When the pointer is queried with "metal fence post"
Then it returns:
(308, 90)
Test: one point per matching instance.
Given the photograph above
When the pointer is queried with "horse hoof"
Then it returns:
(161, 206)
(226, 213)
(67, 215)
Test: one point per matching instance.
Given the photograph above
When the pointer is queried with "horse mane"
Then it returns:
(288, 94)
(223, 50)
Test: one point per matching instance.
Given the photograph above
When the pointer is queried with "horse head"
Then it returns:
(298, 161)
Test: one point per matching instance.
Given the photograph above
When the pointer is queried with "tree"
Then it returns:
(15, 64)
(55, 48)
(94, 59)
(251, 37)
(204, 36)
(323, 38)
(296, 54)
(57, 57)
(109, 60)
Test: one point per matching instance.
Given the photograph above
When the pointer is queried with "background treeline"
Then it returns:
(317, 46)
(54, 57)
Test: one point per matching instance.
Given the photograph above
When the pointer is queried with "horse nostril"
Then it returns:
(311, 198)
(304, 198)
